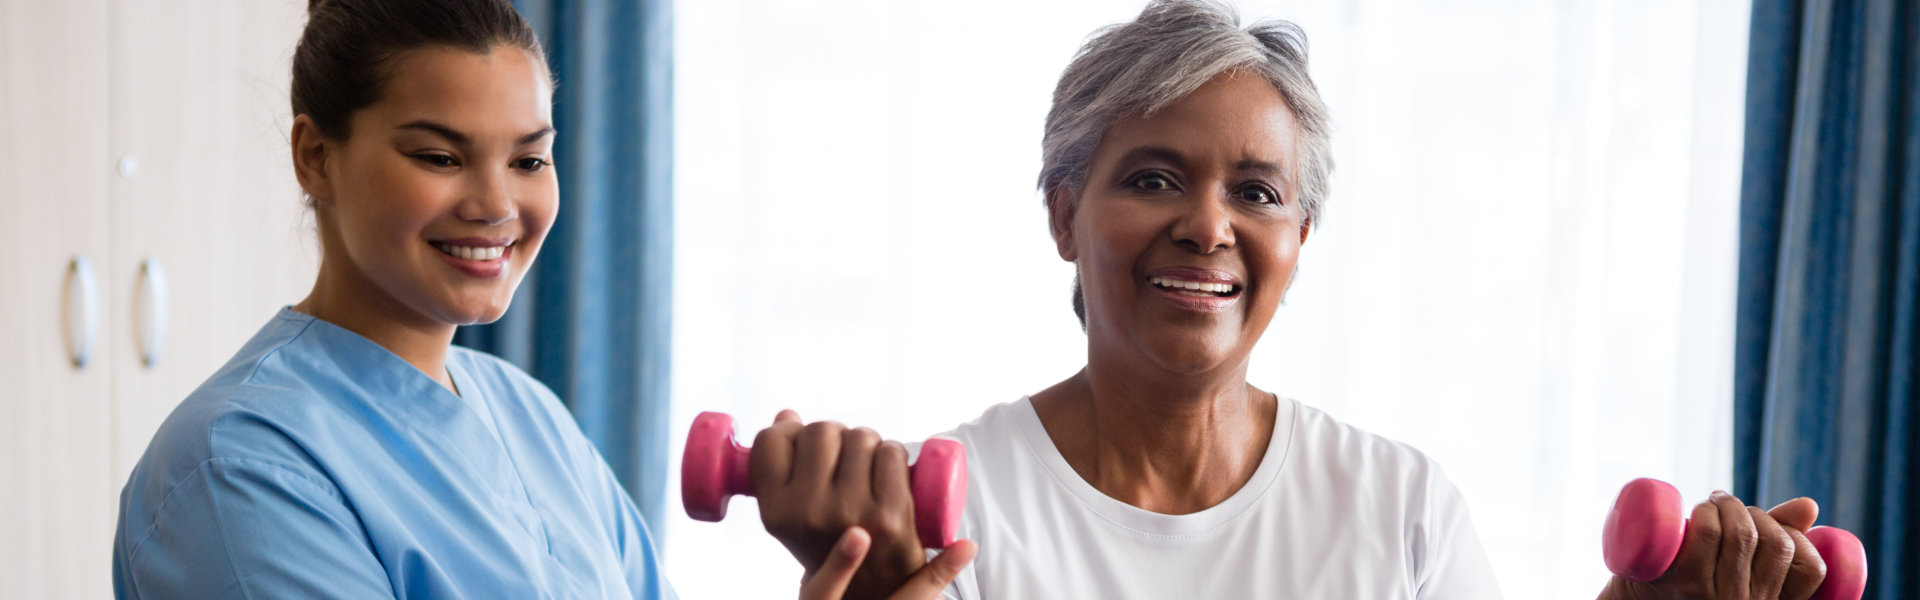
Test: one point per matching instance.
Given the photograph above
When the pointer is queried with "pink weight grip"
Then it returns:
(714, 469)
(1646, 526)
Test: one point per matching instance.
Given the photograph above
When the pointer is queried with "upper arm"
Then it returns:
(247, 528)
(639, 557)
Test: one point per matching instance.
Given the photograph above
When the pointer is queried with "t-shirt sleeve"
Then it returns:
(1454, 565)
(250, 529)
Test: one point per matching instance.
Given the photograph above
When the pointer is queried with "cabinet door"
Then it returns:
(199, 101)
(57, 512)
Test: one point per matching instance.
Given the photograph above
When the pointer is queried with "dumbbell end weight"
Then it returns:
(1644, 530)
(713, 469)
(939, 483)
(1846, 562)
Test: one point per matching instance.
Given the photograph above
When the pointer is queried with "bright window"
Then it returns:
(1526, 270)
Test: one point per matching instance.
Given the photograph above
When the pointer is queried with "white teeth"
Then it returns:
(1175, 284)
(484, 253)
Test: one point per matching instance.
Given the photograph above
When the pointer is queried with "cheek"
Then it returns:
(1274, 259)
(397, 200)
(1114, 239)
(538, 209)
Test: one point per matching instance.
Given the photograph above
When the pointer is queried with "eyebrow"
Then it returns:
(1249, 165)
(1155, 153)
(1270, 169)
(461, 139)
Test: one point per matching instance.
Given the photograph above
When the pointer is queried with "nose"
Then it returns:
(1206, 225)
(489, 199)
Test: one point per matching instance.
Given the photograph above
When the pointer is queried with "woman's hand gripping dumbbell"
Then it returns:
(1726, 550)
(814, 481)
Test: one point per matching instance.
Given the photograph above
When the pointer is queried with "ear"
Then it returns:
(1060, 211)
(310, 150)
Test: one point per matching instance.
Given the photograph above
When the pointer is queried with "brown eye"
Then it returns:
(1152, 182)
(532, 165)
(1259, 194)
(437, 160)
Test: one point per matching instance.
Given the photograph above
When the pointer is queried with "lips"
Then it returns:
(477, 257)
(1196, 288)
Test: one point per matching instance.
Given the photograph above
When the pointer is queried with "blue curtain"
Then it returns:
(1829, 284)
(592, 318)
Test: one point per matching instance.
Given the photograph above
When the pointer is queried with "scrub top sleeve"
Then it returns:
(251, 529)
(645, 574)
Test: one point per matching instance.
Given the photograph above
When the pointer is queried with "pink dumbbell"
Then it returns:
(715, 468)
(1646, 526)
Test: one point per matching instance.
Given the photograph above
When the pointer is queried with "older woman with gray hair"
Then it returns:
(1186, 162)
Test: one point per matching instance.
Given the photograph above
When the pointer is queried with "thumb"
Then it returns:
(786, 414)
(1798, 513)
(830, 581)
(932, 579)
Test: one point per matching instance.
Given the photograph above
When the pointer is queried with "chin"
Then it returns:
(1191, 355)
(477, 313)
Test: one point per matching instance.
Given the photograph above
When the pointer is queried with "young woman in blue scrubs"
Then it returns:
(349, 450)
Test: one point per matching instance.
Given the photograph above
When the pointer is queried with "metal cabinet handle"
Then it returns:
(82, 308)
(150, 308)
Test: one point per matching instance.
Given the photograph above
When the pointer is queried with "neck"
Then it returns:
(344, 297)
(1165, 442)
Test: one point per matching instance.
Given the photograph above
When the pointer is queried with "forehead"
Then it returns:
(1235, 117)
(505, 89)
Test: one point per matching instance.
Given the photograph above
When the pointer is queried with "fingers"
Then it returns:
(1807, 570)
(770, 462)
(1693, 569)
(1797, 514)
(1772, 557)
(930, 580)
(831, 580)
(816, 455)
(890, 482)
(1738, 541)
(854, 475)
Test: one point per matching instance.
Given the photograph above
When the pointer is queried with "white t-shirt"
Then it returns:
(1332, 512)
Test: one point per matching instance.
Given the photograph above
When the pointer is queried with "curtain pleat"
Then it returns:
(1830, 272)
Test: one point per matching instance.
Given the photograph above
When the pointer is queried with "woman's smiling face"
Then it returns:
(440, 196)
(1202, 194)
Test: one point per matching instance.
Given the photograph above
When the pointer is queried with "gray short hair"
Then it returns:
(1160, 57)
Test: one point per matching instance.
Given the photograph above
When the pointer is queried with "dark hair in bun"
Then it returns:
(339, 66)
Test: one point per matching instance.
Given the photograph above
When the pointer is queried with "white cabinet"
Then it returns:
(198, 93)
(57, 506)
(132, 133)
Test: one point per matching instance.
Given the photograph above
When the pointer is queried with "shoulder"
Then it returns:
(254, 413)
(252, 405)
(507, 380)
(523, 403)
(999, 424)
(1340, 461)
(1321, 441)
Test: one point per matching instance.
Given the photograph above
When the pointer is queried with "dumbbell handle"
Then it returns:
(1645, 529)
(715, 467)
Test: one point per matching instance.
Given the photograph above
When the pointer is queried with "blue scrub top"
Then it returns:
(317, 464)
